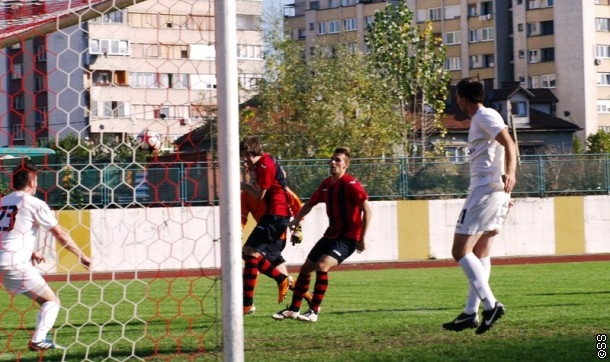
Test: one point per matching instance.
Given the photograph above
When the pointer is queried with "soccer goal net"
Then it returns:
(114, 101)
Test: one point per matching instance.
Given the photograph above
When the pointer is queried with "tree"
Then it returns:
(411, 59)
(598, 142)
(307, 106)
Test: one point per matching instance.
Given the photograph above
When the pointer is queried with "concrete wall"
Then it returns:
(183, 238)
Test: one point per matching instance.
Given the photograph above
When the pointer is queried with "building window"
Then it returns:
(452, 12)
(487, 34)
(547, 54)
(109, 46)
(533, 56)
(602, 51)
(456, 154)
(249, 81)
(333, 27)
(474, 61)
(520, 27)
(518, 109)
(452, 37)
(488, 61)
(314, 5)
(521, 54)
(350, 24)
(39, 83)
(321, 28)
(41, 53)
(40, 116)
(17, 71)
(533, 29)
(602, 24)
(473, 35)
(547, 27)
(472, 10)
(115, 17)
(203, 81)
(18, 132)
(434, 14)
(453, 63)
(548, 80)
(245, 51)
(486, 8)
(19, 102)
(603, 79)
(603, 106)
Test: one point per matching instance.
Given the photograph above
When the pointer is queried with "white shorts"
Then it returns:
(23, 278)
(485, 209)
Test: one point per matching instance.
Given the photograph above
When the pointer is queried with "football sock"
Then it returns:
(44, 322)
(250, 275)
(476, 274)
(473, 301)
(300, 288)
(265, 267)
(319, 290)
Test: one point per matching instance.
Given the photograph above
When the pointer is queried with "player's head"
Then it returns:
(471, 90)
(24, 176)
(339, 161)
(250, 150)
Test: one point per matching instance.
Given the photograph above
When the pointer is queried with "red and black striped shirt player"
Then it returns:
(349, 213)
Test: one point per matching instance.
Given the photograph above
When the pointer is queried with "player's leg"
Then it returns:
(301, 288)
(335, 251)
(37, 289)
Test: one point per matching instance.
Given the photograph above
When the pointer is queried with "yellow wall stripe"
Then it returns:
(78, 224)
(413, 230)
(569, 225)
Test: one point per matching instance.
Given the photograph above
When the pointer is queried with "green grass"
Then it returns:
(554, 312)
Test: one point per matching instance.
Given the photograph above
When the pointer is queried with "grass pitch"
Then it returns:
(553, 313)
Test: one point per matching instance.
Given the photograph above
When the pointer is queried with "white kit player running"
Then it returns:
(21, 216)
(493, 163)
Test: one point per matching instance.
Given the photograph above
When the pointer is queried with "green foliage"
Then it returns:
(598, 142)
(411, 60)
(577, 146)
(309, 106)
(75, 149)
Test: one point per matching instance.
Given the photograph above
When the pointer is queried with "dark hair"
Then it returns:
(343, 150)
(251, 145)
(471, 89)
(23, 173)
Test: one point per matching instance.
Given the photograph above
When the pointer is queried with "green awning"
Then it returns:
(25, 151)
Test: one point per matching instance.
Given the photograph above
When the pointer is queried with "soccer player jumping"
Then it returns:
(493, 163)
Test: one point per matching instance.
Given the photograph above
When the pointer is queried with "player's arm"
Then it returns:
(510, 158)
(366, 210)
(66, 241)
(300, 215)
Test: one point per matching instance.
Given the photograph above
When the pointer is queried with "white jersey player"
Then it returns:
(493, 163)
(22, 215)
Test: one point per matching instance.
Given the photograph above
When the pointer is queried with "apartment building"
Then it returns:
(560, 45)
(152, 65)
(149, 66)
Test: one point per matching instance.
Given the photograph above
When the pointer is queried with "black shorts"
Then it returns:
(340, 248)
(266, 238)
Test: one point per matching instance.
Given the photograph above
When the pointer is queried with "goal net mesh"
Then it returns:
(101, 95)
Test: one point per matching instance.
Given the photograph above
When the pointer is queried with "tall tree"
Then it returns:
(412, 60)
(307, 106)
(598, 142)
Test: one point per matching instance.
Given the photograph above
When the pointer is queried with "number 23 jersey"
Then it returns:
(21, 214)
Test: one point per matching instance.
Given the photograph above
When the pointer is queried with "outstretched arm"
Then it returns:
(66, 240)
(297, 219)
